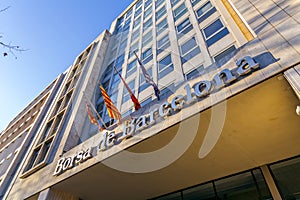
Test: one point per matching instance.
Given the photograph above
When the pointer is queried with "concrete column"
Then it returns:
(270, 182)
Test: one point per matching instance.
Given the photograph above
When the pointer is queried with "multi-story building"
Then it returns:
(225, 126)
(16, 139)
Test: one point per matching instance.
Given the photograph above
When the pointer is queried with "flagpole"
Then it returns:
(94, 109)
(148, 78)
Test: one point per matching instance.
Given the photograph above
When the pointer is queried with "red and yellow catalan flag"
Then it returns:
(113, 112)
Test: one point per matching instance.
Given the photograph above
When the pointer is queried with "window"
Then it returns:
(158, 3)
(215, 32)
(139, 3)
(133, 48)
(123, 46)
(160, 13)
(147, 56)
(163, 25)
(115, 82)
(163, 44)
(287, 175)
(143, 83)
(189, 50)
(147, 12)
(114, 97)
(194, 2)
(131, 68)
(135, 35)
(129, 13)
(194, 73)
(127, 25)
(167, 91)
(225, 53)
(247, 185)
(174, 2)
(126, 95)
(148, 24)
(184, 27)
(165, 66)
(127, 113)
(138, 12)
(147, 3)
(146, 101)
(119, 61)
(205, 11)
(137, 22)
(147, 38)
(180, 11)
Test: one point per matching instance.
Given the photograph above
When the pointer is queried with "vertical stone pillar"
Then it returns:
(270, 182)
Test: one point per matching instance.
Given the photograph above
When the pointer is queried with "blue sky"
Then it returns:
(54, 32)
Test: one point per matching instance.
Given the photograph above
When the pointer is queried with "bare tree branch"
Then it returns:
(4, 9)
(9, 47)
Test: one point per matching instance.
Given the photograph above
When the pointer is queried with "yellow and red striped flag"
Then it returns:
(113, 112)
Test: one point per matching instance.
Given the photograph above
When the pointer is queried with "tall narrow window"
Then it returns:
(160, 13)
(174, 2)
(148, 24)
(184, 27)
(180, 11)
(214, 32)
(205, 11)
(147, 56)
(165, 66)
(147, 38)
(189, 49)
(158, 3)
(163, 44)
(131, 68)
(147, 12)
(163, 25)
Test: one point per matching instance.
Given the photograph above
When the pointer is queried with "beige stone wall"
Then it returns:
(277, 47)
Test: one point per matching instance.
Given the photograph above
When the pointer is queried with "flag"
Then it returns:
(111, 108)
(135, 101)
(148, 78)
(92, 118)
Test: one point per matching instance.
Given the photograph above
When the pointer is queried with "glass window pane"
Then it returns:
(240, 186)
(160, 13)
(225, 53)
(147, 12)
(194, 2)
(158, 3)
(204, 8)
(137, 22)
(186, 47)
(165, 62)
(139, 3)
(175, 196)
(163, 25)
(178, 12)
(147, 3)
(135, 35)
(202, 192)
(194, 73)
(148, 24)
(174, 2)
(217, 37)
(213, 28)
(287, 178)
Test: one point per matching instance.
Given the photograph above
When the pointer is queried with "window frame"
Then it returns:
(165, 67)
